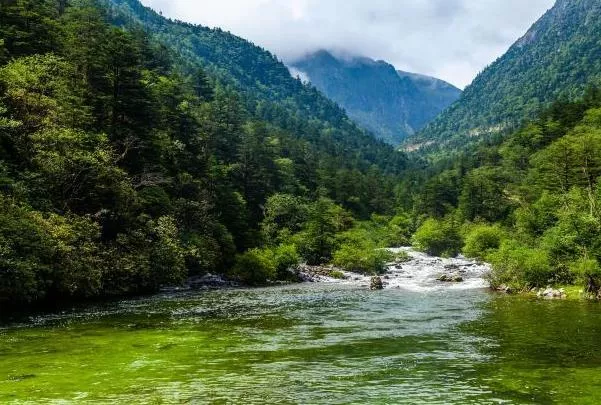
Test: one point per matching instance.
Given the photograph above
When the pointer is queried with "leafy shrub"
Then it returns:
(286, 257)
(589, 272)
(43, 256)
(438, 238)
(167, 258)
(401, 257)
(284, 215)
(337, 275)
(362, 258)
(520, 267)
(398, 231)
(482, 240)
(317, 242)
(255, 266)
(534, 219)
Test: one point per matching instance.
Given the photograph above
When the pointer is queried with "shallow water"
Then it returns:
(310, 343)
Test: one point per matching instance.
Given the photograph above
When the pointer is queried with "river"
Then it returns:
(334, 343)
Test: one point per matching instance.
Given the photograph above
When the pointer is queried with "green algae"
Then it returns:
(308, 344)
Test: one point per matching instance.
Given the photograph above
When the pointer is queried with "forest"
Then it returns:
(124, 167)
(128, 164)
(528, 202)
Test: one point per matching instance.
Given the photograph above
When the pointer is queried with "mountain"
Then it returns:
(557, 58)
(390, 103)
(268, 90)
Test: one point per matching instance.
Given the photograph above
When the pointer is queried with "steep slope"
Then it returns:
(391, 104)
(558, 57)
(268, 90)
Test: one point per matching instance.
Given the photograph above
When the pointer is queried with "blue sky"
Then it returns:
(449, 39)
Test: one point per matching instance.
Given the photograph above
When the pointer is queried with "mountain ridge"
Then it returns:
(390, 103)
(269, 91)
(558, 57)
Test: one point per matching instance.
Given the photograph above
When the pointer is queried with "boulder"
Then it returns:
(450, 278)
(209, 281)
(376, 283)
(505, 289)
(551, 293)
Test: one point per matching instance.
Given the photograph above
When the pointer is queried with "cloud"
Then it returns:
(449, 39)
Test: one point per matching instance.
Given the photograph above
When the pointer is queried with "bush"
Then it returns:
(362, 258)
(44, 257)
(438, 238)
(286, 258)
(520, 267)
(482, 240)
(255, 267)
(589, 272)
(401, 257)
(388, 232)
(337, 275)
(167, 260)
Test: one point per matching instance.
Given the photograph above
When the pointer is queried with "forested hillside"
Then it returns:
(392, 104)
(529, 204)
(558, 57)
(130, 160)
(266, 88)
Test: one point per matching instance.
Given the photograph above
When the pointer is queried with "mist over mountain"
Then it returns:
(392, 104)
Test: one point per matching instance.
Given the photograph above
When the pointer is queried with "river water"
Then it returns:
(335, 343)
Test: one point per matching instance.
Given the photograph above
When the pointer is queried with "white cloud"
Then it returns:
(449, 39)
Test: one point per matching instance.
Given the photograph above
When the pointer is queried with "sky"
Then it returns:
(449, 39)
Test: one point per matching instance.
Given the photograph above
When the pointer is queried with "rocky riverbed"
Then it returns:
(420, 273)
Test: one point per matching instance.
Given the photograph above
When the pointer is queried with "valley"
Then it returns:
(185, 218)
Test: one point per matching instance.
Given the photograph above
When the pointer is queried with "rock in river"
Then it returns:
(376, 284)
(550, 293)
(450, 278)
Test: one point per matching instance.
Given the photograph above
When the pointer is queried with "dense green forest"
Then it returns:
(266, 89)
(127, 164)
(529, 203)
(137, 151)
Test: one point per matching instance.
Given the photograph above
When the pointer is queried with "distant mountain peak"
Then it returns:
(392, 104)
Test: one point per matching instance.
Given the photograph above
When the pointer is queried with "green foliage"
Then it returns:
(360, 252)
(588, 272)
(520, 267)
(285, 215)
(337, 275)
(136, 150)
(317, 241)
(44, 256)
(255, 267)
(286, 259)
(167, 254)
(438, 238)
(540, 184)
(267, 89)
(534, 219)
(482, 240)
(483, 196)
